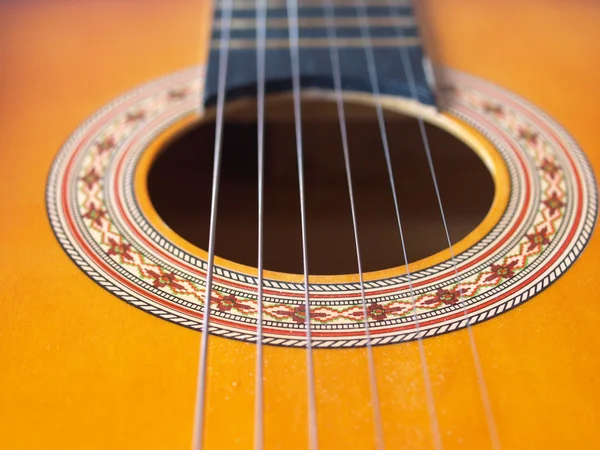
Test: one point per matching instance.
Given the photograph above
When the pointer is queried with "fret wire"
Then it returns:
(408, 69)
(292, 8)
(199, 413)
(319, 22)
(337, 80)
(380, 11)
(372, 69)
(261, 14)
(276, 4)
(240, 44)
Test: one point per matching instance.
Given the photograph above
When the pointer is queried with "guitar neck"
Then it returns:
(377, 43)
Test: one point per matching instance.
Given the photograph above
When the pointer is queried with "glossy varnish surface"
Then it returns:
(81, 369)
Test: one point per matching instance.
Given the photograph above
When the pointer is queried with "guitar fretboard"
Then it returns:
(387, 26)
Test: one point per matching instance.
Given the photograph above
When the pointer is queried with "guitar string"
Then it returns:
(409, 71)
(372, 69)
(199, 412)
(337, 80)
(225, 25)
(292, 11)
(261, 37)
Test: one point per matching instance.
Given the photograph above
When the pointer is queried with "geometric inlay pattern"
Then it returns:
(547, 222)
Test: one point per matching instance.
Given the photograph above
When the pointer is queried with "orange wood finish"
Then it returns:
(81, 369)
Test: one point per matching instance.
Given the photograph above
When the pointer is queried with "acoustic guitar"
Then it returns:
(335, 224)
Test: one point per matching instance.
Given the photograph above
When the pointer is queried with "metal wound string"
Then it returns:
(292, 10)
(261, 37)
(199, 411)
(408, 69)
(366, 35)
(337, 80)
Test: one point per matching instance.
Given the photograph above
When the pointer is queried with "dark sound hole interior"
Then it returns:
(180, 188)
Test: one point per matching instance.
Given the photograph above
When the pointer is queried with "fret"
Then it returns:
(319, 11)
(389, 33)
(319, 22)
(357, 42)
(309, 34)
(251, 4)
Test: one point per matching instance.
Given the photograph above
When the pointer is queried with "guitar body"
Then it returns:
(81, 369)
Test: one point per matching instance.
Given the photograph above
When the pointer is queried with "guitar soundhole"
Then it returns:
(180, 182)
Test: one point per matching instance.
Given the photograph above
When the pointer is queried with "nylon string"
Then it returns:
(261, 36)
(337, 80)
(292, 10)
(408, 69)
(199, 412)
(369, 53)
